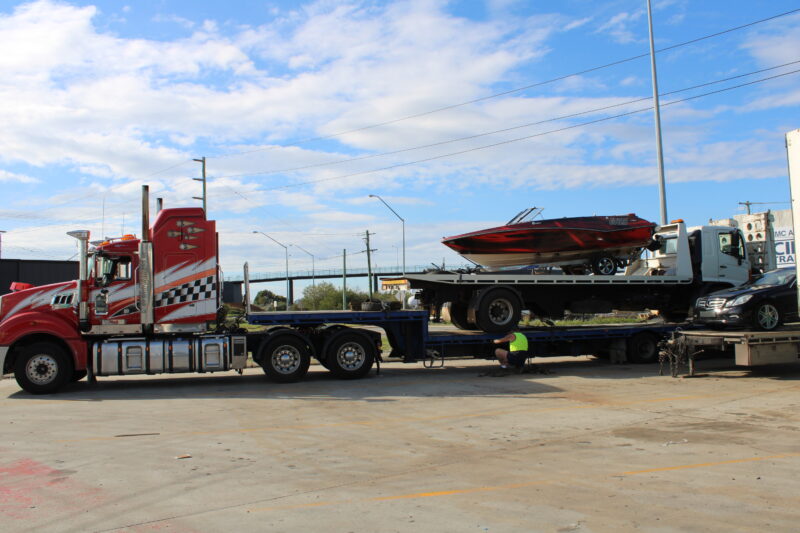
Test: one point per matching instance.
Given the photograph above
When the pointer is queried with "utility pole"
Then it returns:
(1, 243)
(344, 280)
(369, 263)
(202, 161)
(662, 189)
(747, 204)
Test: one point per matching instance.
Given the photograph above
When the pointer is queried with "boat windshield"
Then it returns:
(528, 214)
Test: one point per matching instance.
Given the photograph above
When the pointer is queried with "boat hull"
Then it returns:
(556, 241)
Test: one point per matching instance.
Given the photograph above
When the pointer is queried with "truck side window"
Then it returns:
(730, 245)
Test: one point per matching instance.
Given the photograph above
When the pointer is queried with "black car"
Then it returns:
(764, 303)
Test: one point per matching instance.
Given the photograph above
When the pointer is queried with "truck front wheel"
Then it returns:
(498, 311)
(285, 359)
(350, 355)
(42, 368)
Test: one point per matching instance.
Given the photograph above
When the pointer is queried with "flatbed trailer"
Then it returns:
(750, 348)
(411, 339)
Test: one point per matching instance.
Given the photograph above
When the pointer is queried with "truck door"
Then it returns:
(113, 291)
(734, 268)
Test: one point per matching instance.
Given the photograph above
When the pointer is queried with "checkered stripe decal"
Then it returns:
(199, 289)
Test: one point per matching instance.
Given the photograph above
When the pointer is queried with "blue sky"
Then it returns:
(101, 97)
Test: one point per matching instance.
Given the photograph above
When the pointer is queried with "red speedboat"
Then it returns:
(600, 241)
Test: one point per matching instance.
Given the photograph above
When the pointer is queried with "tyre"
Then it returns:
(285, 359)
(766, 317)
(43, 368)
(498, 311)
(458, 316)
(642, 348)
(604, 265)
(350, 355)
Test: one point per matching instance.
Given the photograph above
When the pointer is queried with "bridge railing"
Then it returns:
(325, 273)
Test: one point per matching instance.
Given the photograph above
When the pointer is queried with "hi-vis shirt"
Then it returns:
(519, 344)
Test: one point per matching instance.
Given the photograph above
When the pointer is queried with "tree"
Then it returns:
(267, 299)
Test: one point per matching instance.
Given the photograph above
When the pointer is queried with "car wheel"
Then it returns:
(766, 317)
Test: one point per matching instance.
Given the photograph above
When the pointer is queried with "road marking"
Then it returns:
(400, 420)
(715, 463)
(457, 492)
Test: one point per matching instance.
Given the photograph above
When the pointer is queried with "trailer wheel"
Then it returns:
(642, 348)
(350, 355)
(766, 317)
(285, 359)
(42, 368)
(604, 265)
(458, 316)
(498, 311)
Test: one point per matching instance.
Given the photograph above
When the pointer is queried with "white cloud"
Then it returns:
(619, 26)
(6, 176)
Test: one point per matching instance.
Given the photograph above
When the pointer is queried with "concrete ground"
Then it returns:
(587, 447)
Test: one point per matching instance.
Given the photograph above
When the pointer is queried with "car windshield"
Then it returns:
(783, 276)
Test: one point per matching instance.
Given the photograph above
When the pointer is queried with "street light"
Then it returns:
(402, 221)
(286, 251)
(313, 274)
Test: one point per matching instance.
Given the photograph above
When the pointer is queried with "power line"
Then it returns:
(512, 91)
(541, 134)
(504, 130)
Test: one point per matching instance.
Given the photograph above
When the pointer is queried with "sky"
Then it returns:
(457, 114)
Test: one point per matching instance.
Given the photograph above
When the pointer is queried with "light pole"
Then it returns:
(286, 251)
(402, 221)
(662, 189)
(313, 273)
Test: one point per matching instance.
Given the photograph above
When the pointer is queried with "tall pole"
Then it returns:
(403, 223)
(662, 193)
(202, 161)
(369, 266)
(1, 243)
(286, 252)
(344, 280)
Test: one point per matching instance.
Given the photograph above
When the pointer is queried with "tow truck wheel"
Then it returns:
(499, 311)
(642, 348)
(458, 315)
(604, 265)
(42, 368)
(285, 359)
(767, 317)
(350, 355)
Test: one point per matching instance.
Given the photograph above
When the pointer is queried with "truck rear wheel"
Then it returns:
(458, 316)
(42, 368)
(350, 355)
(285, 359)
(498, 311)
(642, 348)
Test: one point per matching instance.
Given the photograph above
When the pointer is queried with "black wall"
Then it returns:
(35, 272)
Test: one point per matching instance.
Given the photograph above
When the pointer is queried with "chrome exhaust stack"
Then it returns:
(146, 281)
(82, 237)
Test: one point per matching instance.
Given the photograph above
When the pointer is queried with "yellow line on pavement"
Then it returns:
(715, 463)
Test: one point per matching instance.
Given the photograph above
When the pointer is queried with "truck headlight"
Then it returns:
(740, 300)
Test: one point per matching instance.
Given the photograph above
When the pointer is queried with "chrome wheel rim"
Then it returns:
(500, 311)
(286, 359)
(767, 316)
(606, 266)
(41, 369)
(351, 356)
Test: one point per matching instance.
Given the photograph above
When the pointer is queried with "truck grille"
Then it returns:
(710, 303)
